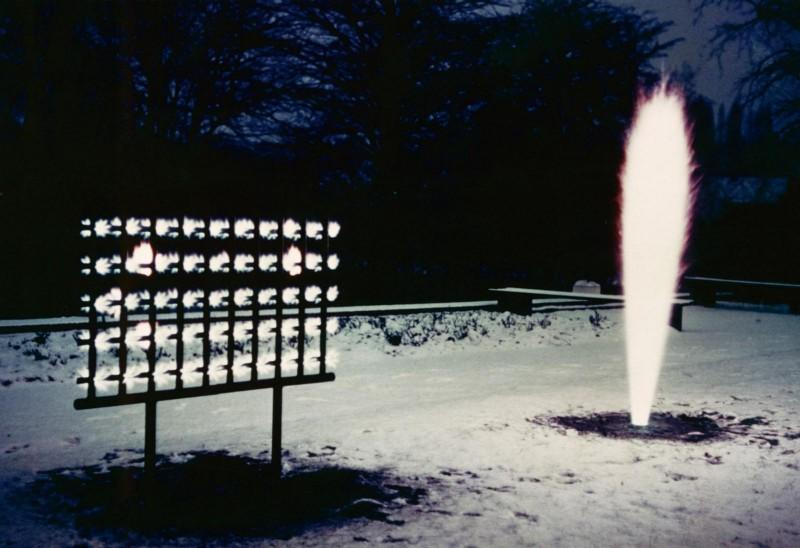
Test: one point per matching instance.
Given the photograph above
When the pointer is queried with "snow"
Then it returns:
(452, 403)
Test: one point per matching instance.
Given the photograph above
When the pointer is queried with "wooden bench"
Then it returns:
(706, 290)
(518, 300)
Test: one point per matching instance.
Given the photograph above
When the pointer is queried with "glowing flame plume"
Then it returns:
(656, 198)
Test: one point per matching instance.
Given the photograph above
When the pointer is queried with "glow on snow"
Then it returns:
(656, 197)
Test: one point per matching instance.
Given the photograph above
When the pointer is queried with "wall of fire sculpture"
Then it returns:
(175, 304)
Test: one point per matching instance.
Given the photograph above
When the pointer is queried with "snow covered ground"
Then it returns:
(451, 405)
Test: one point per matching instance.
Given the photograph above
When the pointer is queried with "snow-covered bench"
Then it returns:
(519, 300)
(706, 290)
(183, 307)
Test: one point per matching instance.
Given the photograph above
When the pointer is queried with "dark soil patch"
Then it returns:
(662, 426)
(215, 495)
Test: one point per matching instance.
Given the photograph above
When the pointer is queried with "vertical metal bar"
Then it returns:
(279, 305)
(206, 304)
(93, 293)
(92, 391)
(179, 317)
(231, 339)
(232, 247)
(301, 308)
(123, 347)
(123, 311)
(323, 305)
(151, 315)
(277, 391)
(676, 317)
(151, 344)
(150, 437)
(323, 332)
(254, 304)
(277, 418)
(179, 350)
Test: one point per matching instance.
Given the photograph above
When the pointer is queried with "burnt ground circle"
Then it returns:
(663, 426)
(214, 495)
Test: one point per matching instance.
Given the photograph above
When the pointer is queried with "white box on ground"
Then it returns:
(586, 286)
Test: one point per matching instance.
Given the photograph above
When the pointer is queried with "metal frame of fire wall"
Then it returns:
(121, 244)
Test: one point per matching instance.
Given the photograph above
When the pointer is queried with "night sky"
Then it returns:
(716, 80)
(439, 167)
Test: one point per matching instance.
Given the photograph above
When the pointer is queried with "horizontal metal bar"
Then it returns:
(198, 391)
(521, 293)
(742, 283)
(188, 281)
(80, 322)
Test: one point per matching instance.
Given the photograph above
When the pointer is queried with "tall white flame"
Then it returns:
(656, 198)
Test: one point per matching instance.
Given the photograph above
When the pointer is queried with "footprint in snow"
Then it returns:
(15, 448)
(527, 517)
(675, 476)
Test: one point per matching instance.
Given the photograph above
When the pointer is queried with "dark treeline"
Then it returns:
(755, 143)
(462, 143)
(755, 233)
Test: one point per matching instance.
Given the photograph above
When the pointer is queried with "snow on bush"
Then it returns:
(446, 330)
(56, 357)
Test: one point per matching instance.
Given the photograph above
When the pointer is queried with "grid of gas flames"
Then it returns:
(186, 306)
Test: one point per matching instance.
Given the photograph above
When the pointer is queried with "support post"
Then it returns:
(705, 295)
(676, 317)
(150, 437)
(277, 417)
(516, 304)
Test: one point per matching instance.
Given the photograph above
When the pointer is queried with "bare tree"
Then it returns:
(768, 31)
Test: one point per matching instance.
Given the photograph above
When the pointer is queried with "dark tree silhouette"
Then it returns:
(444, 132)
(758, 138)
(551, 106)
(373, 80)
(768, 32)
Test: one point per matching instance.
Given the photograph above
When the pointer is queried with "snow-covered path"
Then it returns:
(453, 417)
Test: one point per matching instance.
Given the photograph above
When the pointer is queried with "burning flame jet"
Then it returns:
(656, 199)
